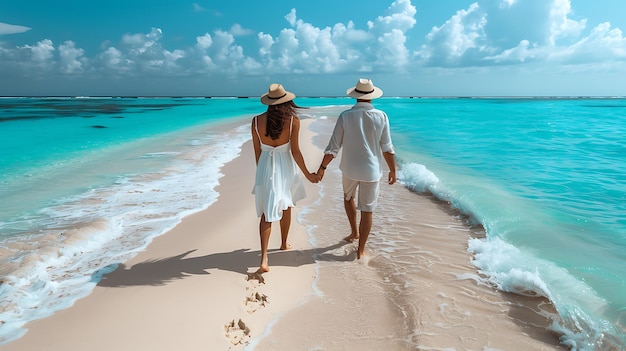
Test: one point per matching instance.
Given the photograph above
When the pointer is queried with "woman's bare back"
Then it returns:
(283, 138)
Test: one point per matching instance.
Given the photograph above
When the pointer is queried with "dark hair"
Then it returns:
(276, 117)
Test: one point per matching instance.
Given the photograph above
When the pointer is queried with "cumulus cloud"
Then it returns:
(561, 26)
(458, 41)
(6, 28)
(306, 48)
(488, 32)
(142, 43)
(514, 32)
(42, 51)
(141, 53)
(216, 53)
(400, 16)
(71, 58)
(38, 57)
(300, 47)
(113, 60)
(603, 42)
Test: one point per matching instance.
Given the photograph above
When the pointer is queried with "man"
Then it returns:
(363, 133)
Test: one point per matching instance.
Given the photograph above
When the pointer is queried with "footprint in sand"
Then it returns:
(255, 301)
(237, 333)
(255, 276)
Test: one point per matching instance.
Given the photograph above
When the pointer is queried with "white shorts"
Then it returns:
(368, 193)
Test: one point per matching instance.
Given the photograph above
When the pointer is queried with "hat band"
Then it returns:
(364, 92)
(276, 98)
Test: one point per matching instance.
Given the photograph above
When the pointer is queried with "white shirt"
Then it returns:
(363, 132)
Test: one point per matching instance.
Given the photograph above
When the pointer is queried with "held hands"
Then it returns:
(320, 174)
(315, 177)
(312, 177)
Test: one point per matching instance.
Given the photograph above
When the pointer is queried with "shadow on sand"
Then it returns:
(161, 271)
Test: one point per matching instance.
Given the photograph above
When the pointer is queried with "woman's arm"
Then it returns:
(297, 154)
(255, 141)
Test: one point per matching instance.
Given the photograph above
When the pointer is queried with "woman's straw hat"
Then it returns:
(365, 90)
(276, 95)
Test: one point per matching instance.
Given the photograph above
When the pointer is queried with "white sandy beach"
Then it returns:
(195, 287)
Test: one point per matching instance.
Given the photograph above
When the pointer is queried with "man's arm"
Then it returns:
(334, 144)
(325, 161)
(388, 151)
(391, 163)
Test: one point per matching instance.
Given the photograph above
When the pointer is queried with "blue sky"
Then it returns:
(315, 48)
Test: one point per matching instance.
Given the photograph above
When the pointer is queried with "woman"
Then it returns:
(277, 185)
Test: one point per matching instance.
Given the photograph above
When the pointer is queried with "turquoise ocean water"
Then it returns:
(85, 183)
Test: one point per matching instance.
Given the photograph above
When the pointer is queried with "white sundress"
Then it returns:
(278, 184)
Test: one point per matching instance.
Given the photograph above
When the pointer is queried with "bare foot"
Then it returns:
(264, 267)
(360, 254)
(285, 246)
(351, 238)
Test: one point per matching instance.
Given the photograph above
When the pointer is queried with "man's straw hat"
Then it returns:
(365, 90)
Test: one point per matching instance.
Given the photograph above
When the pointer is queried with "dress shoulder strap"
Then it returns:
(290, 125)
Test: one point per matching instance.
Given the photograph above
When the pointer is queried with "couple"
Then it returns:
(363, 133)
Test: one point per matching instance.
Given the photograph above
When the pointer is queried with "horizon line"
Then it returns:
(323, 96)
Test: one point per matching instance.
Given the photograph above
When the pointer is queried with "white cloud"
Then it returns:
(601, 45)
(285, 51)
(486, 33)
(521, 53)
(42, 52)
(217, 53)
(29, 60)
(265, 45)
(113, 60)
(204, 42)
(237, 30)
(143, 43)
(71, 58)
(6, 28)
(560, 25)
(349, 34)
(392, 52)
(458, 40)
(401, 16)
(171, 60)
(306, 48)
(142, 53)
(291, 17)
(225, 48)
(514, 32)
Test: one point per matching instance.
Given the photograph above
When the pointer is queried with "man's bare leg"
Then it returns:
(265, 229)
(351, 214)
(364, 231)
(285, 223)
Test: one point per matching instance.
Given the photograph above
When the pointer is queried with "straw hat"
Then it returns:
(365, 90)
(276, 95)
